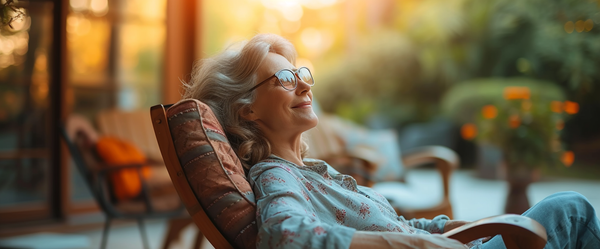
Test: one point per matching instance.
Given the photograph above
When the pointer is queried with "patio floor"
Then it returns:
(472, 198)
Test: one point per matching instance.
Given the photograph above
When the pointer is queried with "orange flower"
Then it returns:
(571, 107)
(568, 158)
(514, 121)
(489, 111)
(516, 92)
(556, 106)
(468, 131)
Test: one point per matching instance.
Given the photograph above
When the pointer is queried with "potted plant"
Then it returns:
(520, 116)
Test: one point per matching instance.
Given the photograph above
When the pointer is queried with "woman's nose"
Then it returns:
(302, 86)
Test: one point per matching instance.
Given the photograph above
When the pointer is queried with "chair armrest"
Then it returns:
(517, 231)
(446, 160)
(430, 154)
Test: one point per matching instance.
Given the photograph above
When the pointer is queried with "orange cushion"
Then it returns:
(114, 152)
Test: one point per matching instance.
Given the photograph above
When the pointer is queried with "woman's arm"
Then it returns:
(435, 225)
(372, 240)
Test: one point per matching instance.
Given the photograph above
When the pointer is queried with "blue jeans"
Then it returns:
(569, 219)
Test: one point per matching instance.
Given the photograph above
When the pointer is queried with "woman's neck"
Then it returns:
(289, 155)
(289, 149)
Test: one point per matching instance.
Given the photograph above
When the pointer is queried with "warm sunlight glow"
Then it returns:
(312, 38)
(99, 7)
(270, 24)
(290, 27)
(7, 45)
(317, 4)
(303, 62)
(21, 23)
(291, 12)
(78, 25)
(79, 5)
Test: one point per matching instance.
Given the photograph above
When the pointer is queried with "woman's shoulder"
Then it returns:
(269, 164)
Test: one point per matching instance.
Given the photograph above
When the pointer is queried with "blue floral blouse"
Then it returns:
(314, 206)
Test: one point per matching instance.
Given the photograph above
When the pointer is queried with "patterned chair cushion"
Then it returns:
(214, 171)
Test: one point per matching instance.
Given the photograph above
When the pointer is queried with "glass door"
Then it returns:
(27, 114)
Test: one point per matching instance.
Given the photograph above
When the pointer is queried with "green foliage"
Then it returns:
(406, 71)
(378, 79)
(514, 114)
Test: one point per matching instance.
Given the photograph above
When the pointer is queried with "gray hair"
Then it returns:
(223, 82)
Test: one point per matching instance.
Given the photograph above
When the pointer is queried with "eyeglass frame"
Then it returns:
(296, 77)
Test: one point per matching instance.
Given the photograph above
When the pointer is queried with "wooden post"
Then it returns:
(180, 47)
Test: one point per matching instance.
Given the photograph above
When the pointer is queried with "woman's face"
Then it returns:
(276, 109)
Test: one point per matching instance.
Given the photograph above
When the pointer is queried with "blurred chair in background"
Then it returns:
(125, 184)
(386, 167)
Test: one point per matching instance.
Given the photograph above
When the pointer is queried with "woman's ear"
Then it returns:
(247, 114)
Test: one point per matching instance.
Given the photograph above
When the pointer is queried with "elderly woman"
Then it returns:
(264, 103)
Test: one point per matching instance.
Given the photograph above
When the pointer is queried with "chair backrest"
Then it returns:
(206, 173)
(132, 126)
(80, 137)
(322, 141)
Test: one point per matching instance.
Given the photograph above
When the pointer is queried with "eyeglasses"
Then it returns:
(288, 80)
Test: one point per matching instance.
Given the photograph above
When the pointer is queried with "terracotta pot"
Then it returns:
(519, 179)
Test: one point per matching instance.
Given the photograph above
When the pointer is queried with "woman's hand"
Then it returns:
(362, 239)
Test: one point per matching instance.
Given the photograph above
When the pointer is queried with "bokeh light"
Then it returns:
(567, 158)
(588, 25)
(489, 111)
(468, 131)
(99, 7)
(569, 27)
(79, 5)
(516, 92)
(571, 107)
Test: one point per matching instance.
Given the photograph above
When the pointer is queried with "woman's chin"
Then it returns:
(308, 121)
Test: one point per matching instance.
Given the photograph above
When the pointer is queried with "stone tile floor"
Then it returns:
(472, 198)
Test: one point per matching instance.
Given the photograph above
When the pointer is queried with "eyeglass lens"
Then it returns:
(288, 78)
